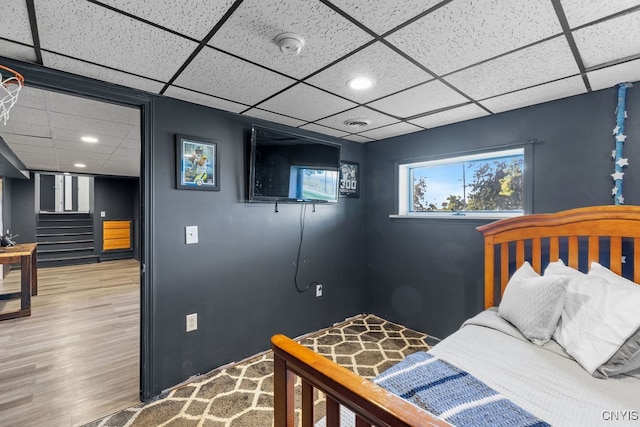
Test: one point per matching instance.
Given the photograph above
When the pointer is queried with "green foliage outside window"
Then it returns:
(490, 184)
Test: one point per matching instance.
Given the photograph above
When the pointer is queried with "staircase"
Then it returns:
(65, 238)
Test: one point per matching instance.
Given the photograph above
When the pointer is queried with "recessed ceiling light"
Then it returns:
(90, 139)
(360, 83)
(80, 165)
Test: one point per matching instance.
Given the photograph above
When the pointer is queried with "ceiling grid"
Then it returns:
(431, 62)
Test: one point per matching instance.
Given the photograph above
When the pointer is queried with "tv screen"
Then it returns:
(286, 167)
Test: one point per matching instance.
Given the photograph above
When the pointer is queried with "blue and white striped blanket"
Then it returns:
(452, 394)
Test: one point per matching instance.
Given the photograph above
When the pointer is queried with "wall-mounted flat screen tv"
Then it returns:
(291, 168)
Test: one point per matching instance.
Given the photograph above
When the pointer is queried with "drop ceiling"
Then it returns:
(432, 62)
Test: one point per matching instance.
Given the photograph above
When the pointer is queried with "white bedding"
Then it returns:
(542, 380)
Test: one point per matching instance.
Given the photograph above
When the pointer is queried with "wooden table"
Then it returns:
(26, 254)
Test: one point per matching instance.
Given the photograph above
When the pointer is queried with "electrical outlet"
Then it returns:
(318, 291)
(192, 322)
(191, 234)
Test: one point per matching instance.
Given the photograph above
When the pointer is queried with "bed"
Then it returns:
(559, 346)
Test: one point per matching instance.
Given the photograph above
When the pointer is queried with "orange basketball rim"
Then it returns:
(10, 84)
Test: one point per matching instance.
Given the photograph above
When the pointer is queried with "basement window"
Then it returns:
(482, 185)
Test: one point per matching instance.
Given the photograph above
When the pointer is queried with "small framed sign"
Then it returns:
(349, 179)
(196, 164)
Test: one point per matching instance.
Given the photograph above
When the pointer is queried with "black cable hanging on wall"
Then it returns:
(303, 213)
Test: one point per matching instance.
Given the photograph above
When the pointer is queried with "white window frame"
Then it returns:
(405, 185)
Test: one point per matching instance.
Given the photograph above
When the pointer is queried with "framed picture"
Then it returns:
(349, 179)
(197, 164)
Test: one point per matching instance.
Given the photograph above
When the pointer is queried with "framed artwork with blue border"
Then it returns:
(349, 179)
(197, 163)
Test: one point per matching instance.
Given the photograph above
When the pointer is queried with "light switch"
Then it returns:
(103, 214)
(191, 234)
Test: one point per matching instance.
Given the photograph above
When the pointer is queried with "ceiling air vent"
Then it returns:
(357, 123)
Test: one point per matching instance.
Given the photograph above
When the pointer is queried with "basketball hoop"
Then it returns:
(9, 90)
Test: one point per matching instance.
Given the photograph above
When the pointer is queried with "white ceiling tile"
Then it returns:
(536, 95)
(611, 76)
(384, 15)
(427, 97)
(389, 72)
(88, 125)
(73, 156)
(306, 103)
(89, 149)
(131, 143)
(526, 67)
(75, 135)
(358, 138)
(375, 118)
(323, 130)
(41, 156)
(48, 164)
(114, 168)
(26, 129)
(17, 51)
(579, 12)
(609, 40)
(100, 73)
(202, 99)
(391, 131)
(32, 97)
(454, 115)
(20, 141)
(465, 32)
(85, 31)
(26, 115)
(224, 76)
(193, 18)
(28, 149)
(14, 22)
(251, 30)
(32, 152)
(128, 153)
(273, 117)
(129, 159)
(85, 107)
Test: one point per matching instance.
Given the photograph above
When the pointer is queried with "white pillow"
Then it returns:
(558, 268)
(525, 271)
(533, 304)
(608, 275)
(627, 357)
(598, 318)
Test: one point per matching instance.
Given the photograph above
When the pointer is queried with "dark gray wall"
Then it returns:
(47, 193)
(118, 198)
(428, 274)
(7, 191)
(239, 277)
(23, 217)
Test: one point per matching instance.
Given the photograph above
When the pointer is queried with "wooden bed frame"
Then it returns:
(596, 231)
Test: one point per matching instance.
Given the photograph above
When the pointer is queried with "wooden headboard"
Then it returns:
(595, 231)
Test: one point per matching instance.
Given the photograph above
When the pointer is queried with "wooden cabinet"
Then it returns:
(116, 235)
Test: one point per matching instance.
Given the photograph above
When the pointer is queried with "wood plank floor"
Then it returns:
(76, 358)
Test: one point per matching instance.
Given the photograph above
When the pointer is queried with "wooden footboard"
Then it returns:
(372, 404)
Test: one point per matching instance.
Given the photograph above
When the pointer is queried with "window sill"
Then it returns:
(453, 216)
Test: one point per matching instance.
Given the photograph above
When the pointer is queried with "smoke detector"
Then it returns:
(290, 44)
(357, 123)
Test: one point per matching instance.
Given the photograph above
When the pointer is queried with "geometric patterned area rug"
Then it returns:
(241, 395)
